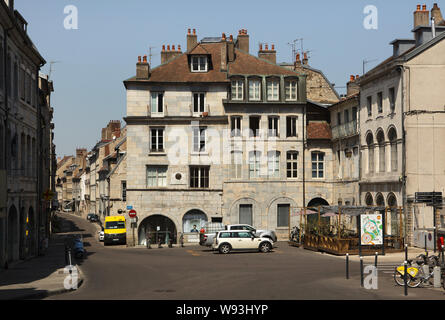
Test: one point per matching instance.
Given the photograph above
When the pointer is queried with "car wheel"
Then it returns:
(265, 247)
(225, 248)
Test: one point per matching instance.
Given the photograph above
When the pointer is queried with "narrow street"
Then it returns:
(193, 273)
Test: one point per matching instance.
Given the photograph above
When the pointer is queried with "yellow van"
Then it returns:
(115, 230)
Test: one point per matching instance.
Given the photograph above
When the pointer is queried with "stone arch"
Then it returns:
(369, 201)
(392, 137)
(150, 223)
(245, 201)
(379, 200)
(314, 203)
(272, 210)
(391, 200)
(193, 217)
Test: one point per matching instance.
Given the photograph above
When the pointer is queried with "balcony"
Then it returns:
(345, 130)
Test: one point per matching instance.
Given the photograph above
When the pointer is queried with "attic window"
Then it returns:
(199, 64)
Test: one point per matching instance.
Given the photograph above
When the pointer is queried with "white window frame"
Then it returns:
(237, 90)
(154, 109)
(254, 89)
(199, 136)
(254, 164)
(235, 128)
(273, 126)
(317, 162)
(293, 162)
(157, 137)
(273, 90)
(237, 164)
(292, 120)
(291, 90)
(199, 60)
(159, 176)
(201, 96)
(273, 164)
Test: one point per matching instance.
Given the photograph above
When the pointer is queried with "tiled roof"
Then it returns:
(319, 131)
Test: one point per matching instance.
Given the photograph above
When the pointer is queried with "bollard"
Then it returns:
(406, 252)
(426, 249)
(148, 243)
(361, 271)
(347, 266)
(437, 277)
(405, 277)
(375, 262)
(181, 239)
(159, 244)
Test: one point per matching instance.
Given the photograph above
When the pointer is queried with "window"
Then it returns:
(254, 126)
(199, 64)
(392, 136)
(283, 215)
(237, 89)
(254, 90)
(273, 164)
(198, 103)
(28, 88)
(392, 99)
(199, 177)
(254, 164)
(370, 143)
(338, 118)
(157, 139)
(346, 116)
(156, 176)
(199, 139)
(291, 162)
(354, 114)
(381, 143)
(380, 102)
(273, 126)
(124, 190)
(369, 105)
(290, 88)
(245, 214)
(273, 90)
(291, 126)
(22, 84)
(16, 81)
(235, 125)
(157, 103)
(317, 165)
(237, 164)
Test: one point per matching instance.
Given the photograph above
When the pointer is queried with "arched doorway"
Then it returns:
(312, 219)
(13, 233)
(159, 227)
(193, 218)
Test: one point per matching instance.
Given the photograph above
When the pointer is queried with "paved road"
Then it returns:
(194, 273)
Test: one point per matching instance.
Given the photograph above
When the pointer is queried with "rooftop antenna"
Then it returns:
(150, 54)
(293, 45)
(365, 62)
(51, 63)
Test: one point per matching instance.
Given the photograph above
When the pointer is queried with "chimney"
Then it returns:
(223, 53)
(297, 61)
(436, 14)
(305, 59)
(192, 40)
(169, 54)
(230, 49)
(352, 86)
(242, 42)
(269, 55)
(142, 69)
(421, 16)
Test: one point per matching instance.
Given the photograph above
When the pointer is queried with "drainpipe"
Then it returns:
(304, 154)
(402, 68)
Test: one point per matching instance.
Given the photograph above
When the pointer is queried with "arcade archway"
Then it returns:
(158, 228)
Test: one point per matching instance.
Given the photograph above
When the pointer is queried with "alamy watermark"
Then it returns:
(371, 20)
(71, 21)
(71, 280)
(370, 282)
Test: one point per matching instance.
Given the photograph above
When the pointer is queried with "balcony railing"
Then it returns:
(345, 130)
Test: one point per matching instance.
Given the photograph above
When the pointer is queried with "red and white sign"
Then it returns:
(132, 213)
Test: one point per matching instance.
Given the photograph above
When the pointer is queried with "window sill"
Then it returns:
(194, 153)
(157, 115)
(157, 153)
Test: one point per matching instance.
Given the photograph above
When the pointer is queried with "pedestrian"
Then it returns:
(194, 229)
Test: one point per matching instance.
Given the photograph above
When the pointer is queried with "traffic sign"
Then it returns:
(132, 213)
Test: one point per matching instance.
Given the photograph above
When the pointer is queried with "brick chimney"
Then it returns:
(352, 86)
(421, 16)
(230, 49)
(242, 42)
(224, 52)
(142, 69)
(436, 14)
(268, 54)
(305, 59)
(169, 54)
(192, 40)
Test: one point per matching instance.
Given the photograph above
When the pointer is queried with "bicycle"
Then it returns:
(416, 274)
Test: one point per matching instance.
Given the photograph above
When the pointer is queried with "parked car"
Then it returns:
(89, 215)
(94, 218)
(101, 235)
(226, 241)
(206, 239)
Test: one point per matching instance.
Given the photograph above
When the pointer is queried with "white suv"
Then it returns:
(226, 241)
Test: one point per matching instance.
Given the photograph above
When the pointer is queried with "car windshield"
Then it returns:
(115, 225)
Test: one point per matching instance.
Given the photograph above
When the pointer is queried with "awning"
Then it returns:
(301, 212)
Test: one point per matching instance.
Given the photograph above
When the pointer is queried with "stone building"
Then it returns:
(217, 134)
(402, 122)
(22, 222)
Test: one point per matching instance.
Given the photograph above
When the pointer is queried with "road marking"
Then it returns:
(193, 253)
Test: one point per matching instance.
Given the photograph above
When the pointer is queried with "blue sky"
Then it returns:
(92, 62)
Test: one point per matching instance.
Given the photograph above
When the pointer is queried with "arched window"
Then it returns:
(368, 199)
(391, 200)
(379, 200)
(381, 143)
(370, 143)
(392, 136)
(193, 218)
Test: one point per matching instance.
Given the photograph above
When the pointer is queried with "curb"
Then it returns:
(48, 293)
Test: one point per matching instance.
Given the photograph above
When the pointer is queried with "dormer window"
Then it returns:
(254, 90)
(199, 64)
(273, 90)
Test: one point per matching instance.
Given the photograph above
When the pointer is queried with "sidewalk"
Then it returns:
(38, 277)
